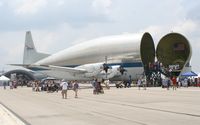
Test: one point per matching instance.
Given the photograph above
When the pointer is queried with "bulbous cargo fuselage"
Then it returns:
(92, 51)
(172, 49)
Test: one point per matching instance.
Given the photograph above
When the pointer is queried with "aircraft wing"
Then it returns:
(22, 65)
(60, 68)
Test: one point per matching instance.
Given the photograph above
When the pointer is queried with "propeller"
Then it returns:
(122, 70)
(105, 67)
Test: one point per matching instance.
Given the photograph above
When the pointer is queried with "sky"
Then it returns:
(58, 24)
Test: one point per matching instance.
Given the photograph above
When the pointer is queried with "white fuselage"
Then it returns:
(120, 50)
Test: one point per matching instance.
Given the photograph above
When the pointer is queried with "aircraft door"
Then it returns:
(174, 52)
(147, 51)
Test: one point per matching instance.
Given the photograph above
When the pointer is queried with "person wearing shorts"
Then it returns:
(64, 86)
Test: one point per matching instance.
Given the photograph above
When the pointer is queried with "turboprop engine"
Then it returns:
(173, 52)
(93, 69)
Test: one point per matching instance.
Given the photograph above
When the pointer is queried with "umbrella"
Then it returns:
(3, 78)
(191, 73)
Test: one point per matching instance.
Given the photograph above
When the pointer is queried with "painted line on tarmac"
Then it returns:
(97, 113)
(114, 116)
(140, 107)
(15, 114)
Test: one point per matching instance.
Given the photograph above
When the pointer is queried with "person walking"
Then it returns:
(144, 83)
(4, 84)
(64, 86)
(169, 81)
(94, 83)
(37, 85)
(11, 84)
(75, 88)
(139, 83)
(174, 82)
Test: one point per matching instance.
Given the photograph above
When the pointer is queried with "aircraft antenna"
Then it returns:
(106, 60)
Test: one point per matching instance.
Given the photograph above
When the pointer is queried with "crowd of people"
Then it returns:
(51, 86)
(155, 65)
(66, 85)
(61, 85)
(141, 82)
(12, 84)
(97, 87)
(176, 82)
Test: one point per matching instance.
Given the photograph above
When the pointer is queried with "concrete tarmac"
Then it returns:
(130, 106)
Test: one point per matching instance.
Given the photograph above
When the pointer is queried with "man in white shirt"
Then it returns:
(64, 86)
(139, 83)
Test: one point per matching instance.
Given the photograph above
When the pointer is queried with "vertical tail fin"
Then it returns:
(30, 53)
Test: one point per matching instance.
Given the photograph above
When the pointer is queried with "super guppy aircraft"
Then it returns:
(113, 57)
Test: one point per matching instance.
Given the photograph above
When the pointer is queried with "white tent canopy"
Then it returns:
(3, 78)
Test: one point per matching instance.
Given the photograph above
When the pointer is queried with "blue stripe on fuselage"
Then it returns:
(128, 65)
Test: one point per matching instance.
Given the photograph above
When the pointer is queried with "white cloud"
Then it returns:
(1, 3)
(11, 48)
(185, 26)
(13, 53)
(102, 6)
(61, 2)
(24, 7)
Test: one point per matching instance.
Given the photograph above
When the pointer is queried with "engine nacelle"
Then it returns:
(112, 72)
(93, 69)
(115, 70)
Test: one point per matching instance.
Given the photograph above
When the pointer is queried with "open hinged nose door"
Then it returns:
(174, 52)
(147, 51)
